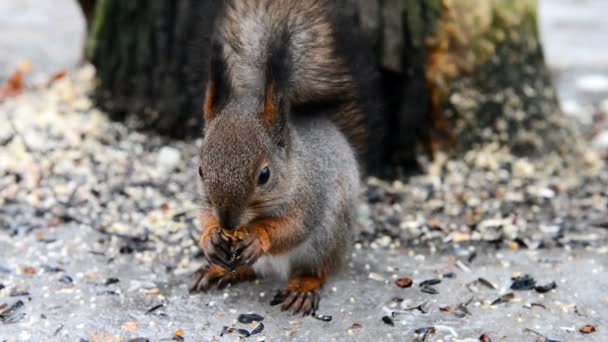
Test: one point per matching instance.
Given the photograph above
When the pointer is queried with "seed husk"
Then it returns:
(430, 282)
(249, 318)
(507, 297)
(429, 290)
(523, 283)
(546, 288)
(388, 321)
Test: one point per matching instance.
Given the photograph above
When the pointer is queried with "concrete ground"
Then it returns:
(357, 299)
(92, 239)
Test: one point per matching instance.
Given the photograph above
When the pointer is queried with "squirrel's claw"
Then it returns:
(247, 252)
(203, 278)
(210, 275)
(217, 249)
(305, 302)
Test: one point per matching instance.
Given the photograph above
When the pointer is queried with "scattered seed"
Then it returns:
(66, 279)
(459, 314)
(258, 329)
(429, 290)
(462, 310)
(29, 270)
(525, 282)
(472, 257)
(485, 338)
(153, 292)
(539, 305)
(423, 334)
(486, 283)
(243, 332)
(421, 308)
(107, 293)
(52, 269)
(12, 314)
(546, 288)
(430, 282)
(504, 298)
(248, 318)
(356, 326)
(178, 335)
(324, 318)
(111, 281)
(462, 266)
(541, 337)
(154, 308)
(388, 321)
(19, 291)
(588, 329)
(450, 275)
(226, 330)
(404, 282)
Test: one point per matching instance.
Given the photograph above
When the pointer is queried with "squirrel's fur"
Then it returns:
(283, 100)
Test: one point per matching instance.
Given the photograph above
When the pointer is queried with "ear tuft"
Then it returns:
(217, 83)
(209, 109)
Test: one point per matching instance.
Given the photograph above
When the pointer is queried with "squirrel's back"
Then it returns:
(312, 50)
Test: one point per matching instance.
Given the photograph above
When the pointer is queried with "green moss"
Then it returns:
(102, 8)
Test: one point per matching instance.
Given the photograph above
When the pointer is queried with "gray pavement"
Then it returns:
(92, 271)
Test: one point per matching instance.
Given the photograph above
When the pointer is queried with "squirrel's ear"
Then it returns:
(209, 109)
(274, 113)
(216, 84)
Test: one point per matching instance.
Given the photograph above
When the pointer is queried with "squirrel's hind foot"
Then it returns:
(208, 276)
(301, 295)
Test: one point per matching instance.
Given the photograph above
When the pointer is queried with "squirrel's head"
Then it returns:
(244, 161)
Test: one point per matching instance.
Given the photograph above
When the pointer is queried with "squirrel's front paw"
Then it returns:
(217, 249)
(248, 251)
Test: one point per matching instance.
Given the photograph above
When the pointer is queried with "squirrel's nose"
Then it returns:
(229, 219)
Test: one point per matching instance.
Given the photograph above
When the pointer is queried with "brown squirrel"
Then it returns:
(284, 130)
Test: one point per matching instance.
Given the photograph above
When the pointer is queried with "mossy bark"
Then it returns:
(484, 73)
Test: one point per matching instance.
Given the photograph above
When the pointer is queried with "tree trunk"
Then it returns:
(456, 73)
(145, 58)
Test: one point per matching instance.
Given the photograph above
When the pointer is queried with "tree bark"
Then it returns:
(456, 73)
(146, 57)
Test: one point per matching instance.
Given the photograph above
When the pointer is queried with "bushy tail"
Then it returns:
(313, 51)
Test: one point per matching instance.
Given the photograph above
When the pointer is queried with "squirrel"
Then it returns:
(284, 134)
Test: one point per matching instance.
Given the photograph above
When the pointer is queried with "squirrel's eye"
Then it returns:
(200, 172)
(264, 176)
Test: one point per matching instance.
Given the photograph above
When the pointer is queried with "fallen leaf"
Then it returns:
(12, 87)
